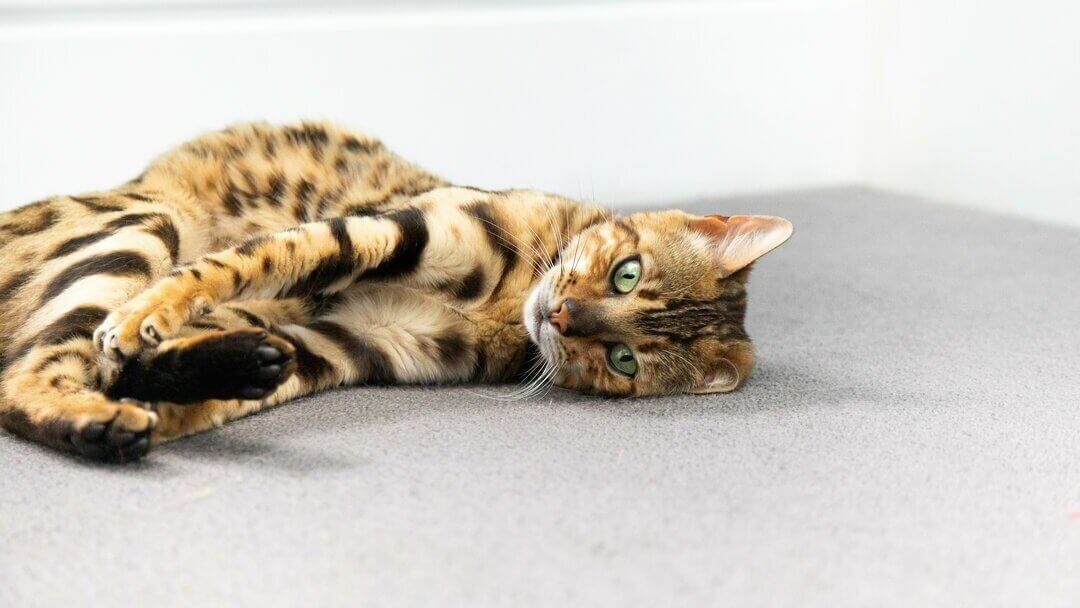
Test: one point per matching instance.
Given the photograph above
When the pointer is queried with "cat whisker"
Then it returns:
(534, 376)
(546, 259)
(580, 249)
(516, 245)
(542, 383)
(545, 379)
(504, 236)
(558, 235)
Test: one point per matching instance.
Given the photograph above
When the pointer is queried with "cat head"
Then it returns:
(652, 303)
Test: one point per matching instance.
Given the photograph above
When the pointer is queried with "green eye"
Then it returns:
(626, 276)
(622, 359)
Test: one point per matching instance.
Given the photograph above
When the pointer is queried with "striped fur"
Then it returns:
(260, 263)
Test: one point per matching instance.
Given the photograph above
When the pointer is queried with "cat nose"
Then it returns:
(559, 317)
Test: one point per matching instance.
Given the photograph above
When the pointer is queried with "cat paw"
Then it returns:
(113, 432)
(241, 364)
(145, 322)
(252, 363)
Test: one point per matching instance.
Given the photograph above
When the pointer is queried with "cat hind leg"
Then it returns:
(231, 364)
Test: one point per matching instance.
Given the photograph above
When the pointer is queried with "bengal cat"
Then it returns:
(260, 263)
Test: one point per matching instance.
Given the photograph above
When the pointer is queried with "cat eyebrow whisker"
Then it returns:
(558, 237)
(579, 250)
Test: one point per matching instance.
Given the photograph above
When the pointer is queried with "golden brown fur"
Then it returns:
(263, 262)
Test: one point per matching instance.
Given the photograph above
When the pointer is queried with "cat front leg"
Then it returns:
(415, 246)
(202, 380)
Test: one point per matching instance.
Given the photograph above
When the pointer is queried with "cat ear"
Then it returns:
(723, 379)
(738, 240)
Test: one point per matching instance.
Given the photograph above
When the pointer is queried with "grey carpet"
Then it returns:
(909, 438)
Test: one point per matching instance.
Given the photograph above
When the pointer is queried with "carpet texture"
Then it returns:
(910, 437)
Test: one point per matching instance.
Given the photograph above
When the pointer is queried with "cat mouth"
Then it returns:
(534, 320)
(538, 316)
(533, 314)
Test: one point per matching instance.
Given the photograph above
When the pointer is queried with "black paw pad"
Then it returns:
(244, 364)
(110, 441)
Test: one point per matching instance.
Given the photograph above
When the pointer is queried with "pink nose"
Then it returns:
(560, 317)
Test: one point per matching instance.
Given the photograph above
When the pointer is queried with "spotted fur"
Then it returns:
(263, 262)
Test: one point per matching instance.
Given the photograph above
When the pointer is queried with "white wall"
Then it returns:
(621, 102)
(977, 102)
